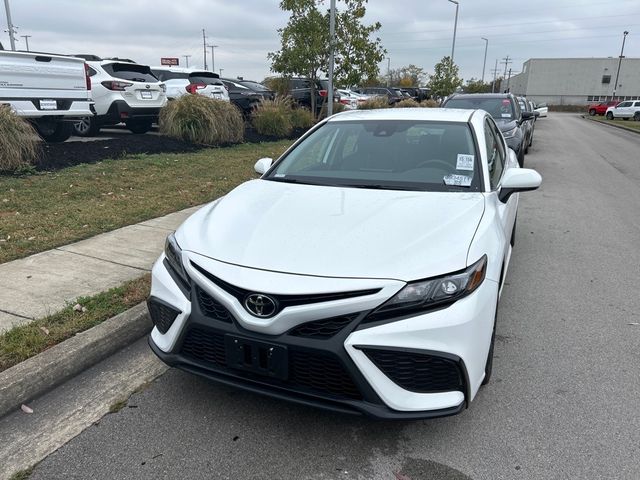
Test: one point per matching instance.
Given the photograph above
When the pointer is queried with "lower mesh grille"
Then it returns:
(161, 315)
(418, 372)
(321, 329)
(313, 371)
(212, 308)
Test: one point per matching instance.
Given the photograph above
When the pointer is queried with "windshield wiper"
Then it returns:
(377, 186)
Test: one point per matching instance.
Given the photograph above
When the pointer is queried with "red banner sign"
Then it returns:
(171, 61)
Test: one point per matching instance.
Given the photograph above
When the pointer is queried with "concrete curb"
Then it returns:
(621, 127)
(37, 375)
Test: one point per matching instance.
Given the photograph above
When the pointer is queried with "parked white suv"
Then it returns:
(183, 81)
(123, 91)
(626, 110)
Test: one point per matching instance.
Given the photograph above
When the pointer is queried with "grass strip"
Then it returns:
(47, 210)
(25, 341)
(630, 124)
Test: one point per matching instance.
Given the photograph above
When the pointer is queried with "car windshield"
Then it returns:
(205, 78)
(385, 154)
(499, 108)
(129, 71)
(255, 86)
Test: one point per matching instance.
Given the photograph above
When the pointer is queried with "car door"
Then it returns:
(623, 110)
(498, 161)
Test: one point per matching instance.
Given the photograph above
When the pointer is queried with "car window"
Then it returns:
(165, 75)
(499, 108)
(637, 104)
(91, 71)
(255, 86)
(495, 153)
(129, 71)
(407, 155)
(625, 104)
(206, 78)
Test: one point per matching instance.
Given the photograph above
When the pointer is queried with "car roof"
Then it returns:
(435, 114)
(482, 95)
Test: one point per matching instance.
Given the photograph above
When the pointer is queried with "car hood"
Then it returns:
(336, 232)
(506, 124)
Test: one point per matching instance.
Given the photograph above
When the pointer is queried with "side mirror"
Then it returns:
(263, 165)
(527, 115)
(536, 114)
(518, 180)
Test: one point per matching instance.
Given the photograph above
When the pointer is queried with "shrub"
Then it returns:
(373, 103)
(301, 118)
(280, 85)
(429, 104)
(19, 142)
(202, 120)
(408, 103)
(273, 117)
(337, 108)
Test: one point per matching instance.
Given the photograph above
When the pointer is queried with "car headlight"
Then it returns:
(173, 253)
(510, 133)
(425, 294)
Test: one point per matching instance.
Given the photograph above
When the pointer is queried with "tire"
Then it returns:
(609, 116)
(54, 131)
(139, 127)
(86, 127)
(636, 117)
(592, 112)
(488, 366)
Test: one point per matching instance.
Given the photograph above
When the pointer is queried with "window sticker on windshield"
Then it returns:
(279, 175)
(464, 162)
(457, 180)
(506, 115)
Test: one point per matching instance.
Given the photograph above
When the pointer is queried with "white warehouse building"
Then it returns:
(577, 81)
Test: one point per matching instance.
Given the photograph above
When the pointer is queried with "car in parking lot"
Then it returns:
(601, 108)
(624, 110)
(189, 81)
(392, 94)
(505, 110)
(263, 90)
(364, 272)
(243, 97)
(541, 108)
(123, 92)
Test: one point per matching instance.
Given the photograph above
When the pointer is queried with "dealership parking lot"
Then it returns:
(562, 402)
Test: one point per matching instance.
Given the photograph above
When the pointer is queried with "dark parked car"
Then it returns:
(529, 125)
(392, 94)
(242, 97)
(504, 109)
(263, 90)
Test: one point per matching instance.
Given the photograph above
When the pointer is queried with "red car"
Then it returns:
(601, 108)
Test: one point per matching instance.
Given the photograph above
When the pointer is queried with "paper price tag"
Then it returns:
(464, 162)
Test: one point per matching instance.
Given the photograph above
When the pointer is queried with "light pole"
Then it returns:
(221, 70)
(26, 39)
(213, 58)
(615, 85)
(455, 27)
(10, 28)
(484, 64)
(187, 57)
(332, 44)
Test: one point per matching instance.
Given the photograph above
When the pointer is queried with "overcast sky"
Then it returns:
(413, 31)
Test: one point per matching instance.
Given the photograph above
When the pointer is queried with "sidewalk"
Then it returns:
(44, 283)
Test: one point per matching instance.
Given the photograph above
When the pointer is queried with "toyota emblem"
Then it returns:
(260, 305)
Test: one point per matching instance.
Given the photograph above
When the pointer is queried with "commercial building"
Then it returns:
(577, 81)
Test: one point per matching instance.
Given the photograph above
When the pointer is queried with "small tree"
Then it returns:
(477, 86)
(445, 79)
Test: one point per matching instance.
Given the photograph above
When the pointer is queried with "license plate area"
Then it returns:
(146, 94)
(48, 105)
(217, 95)
(257, 357)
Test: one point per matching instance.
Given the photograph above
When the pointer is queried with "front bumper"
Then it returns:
(352, 369)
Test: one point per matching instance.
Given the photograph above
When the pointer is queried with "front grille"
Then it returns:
(322, 329)
(162, 315)
(212, 308)
(418, 372)
(309, 371)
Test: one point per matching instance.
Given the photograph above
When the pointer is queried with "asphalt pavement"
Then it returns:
(562, 403)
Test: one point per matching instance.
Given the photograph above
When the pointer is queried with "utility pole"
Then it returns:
(484, 63)
(332, 47)
(204, 48)
(388, 71)
(508, 80)
(10, 28)
(615, 85)
(213, 58)
(506, 62)
(221, 70)
(26, 40)
(495, 72)
(455, 28)
(187, 57)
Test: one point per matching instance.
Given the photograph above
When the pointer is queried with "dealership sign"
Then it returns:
(171, 61)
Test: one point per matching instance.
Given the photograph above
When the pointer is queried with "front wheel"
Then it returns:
(86, 127)
(54, 131)
(609, 116)
(636, 116)
(139, 127)
(592, 112)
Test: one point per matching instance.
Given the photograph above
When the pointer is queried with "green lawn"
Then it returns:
(44, 211)
(623, 123)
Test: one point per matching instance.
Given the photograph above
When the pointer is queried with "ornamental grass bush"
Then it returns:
(202, 120)
(19, 142)
(429, 104)
(374, 103)
(273, 117)
(302, 118)
(408, 103)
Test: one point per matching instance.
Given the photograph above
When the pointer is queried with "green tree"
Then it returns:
(445, 79)
(409, 76)
(305, 43)
(475, 85)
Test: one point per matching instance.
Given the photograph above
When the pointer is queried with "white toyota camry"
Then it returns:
(360, 273)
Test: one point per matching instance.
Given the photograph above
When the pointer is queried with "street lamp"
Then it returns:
(213, 58)
(615, 85)
(455, 27)
(484, 64)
